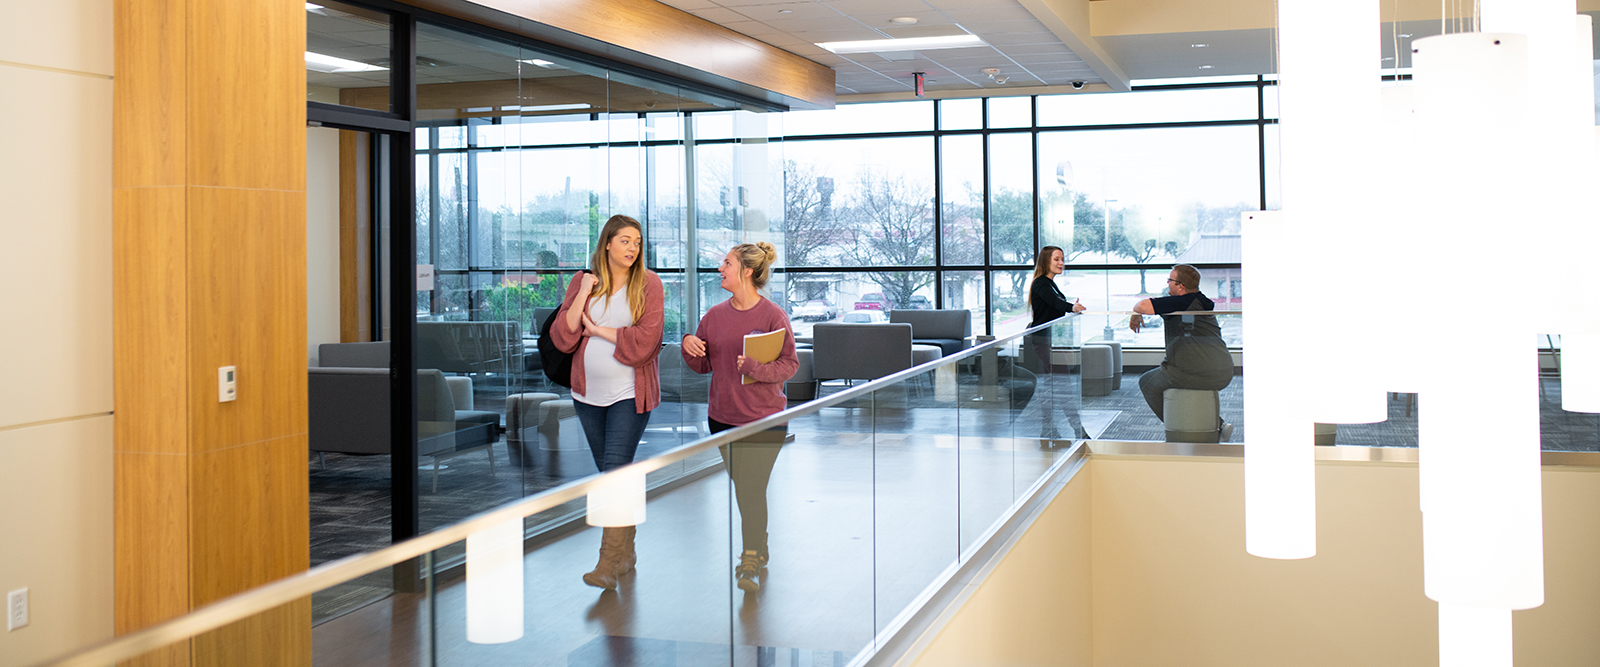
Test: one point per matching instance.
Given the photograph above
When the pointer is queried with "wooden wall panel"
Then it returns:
(265, 481)
(152, 539)
(149, 320)
(210, 270)
(355, 230)
(244, 132)
(247, 259)
(280, 636)
(147, 127)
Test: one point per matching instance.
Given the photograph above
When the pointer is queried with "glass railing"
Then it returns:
(863, 498)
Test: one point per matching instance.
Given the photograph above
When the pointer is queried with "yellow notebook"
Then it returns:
(763, 347)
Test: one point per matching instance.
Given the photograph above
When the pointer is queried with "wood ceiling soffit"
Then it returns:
(657, 37)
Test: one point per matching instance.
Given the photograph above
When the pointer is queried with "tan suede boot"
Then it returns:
(605, 571)
(630, 557)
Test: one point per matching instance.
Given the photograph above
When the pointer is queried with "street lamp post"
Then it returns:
(1109, 333)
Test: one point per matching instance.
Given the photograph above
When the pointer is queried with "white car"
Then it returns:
(864, 317)
(815, 310)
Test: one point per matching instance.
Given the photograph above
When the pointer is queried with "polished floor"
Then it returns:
(350, 496)
(860, 524)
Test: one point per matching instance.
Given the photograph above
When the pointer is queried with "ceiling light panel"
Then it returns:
(911, 44)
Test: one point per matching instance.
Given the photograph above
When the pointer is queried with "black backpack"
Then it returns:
(556, 363)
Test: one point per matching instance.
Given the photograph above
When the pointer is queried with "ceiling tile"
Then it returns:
(795, 26)
(970, 4)
(1019, 38)
(854, 34)
(990, 14)
(1044, 58)
(930, 30)
(688, 5)
(1004, 27)
(752, 28)
(795, 10)
(1036, 49)
(853, 7)
(719, 15)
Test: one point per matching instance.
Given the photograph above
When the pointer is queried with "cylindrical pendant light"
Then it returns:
(1280, 485)
(1480, 482)
(1329, 96)
(1474, 637)
(617, 500)
(494, 584)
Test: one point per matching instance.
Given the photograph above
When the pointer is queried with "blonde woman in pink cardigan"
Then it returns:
(611, 321)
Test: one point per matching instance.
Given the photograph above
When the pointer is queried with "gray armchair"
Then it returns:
(859, 351)
(950, 330)
(349, 407)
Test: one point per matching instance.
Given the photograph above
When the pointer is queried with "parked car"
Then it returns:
(919, 302)
(872, 301)
(864, 317)
(815, 310)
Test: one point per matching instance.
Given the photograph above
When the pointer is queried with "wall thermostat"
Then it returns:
(227, 384)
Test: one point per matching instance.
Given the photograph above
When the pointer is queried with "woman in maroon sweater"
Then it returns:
(611, 320)
(717, 347)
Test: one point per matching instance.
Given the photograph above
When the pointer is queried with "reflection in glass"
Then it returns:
(347, 55)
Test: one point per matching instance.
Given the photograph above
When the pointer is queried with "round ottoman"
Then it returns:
(803, 386)
(523, 411)
(1097, 369)
(1191, 415)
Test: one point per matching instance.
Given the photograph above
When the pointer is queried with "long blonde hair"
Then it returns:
(1041, 266)
(758, 257)
(600, 264)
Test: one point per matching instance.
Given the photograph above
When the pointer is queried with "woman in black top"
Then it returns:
(1044, 297)
(1048, 303)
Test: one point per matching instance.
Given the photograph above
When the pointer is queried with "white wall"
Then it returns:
(322, 239)
(55, 340)
(1167, 580)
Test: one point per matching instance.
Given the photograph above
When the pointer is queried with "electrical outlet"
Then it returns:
(16, 609)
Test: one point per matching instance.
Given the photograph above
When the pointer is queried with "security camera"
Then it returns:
(1077, 85)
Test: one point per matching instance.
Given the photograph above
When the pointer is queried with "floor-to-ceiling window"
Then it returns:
(927, 204)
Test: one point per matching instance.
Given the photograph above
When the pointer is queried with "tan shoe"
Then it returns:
(604, 574)
(630, 557)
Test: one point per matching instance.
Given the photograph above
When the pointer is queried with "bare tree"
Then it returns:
(893, 224)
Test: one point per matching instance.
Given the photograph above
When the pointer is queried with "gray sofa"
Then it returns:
(950, 330)
(349, 406)
(470, 347)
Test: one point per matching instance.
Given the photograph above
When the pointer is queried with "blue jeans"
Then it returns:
(613, 431)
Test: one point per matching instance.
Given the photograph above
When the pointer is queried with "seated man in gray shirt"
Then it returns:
(1197, 358)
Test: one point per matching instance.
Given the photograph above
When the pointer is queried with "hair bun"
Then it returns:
(772, 253)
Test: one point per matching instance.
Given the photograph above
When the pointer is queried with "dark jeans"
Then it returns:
(750, 462)
(613, 431)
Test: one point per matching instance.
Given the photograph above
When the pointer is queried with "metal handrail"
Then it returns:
(288, 589)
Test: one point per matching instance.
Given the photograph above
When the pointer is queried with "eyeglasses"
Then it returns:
(1173, 281)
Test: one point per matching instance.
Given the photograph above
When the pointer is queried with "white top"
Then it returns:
(607, 379)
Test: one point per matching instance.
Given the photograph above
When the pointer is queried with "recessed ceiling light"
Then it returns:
(1199, 46)
(331, 64)
(1205, 67)
(903, 20)
(541, 63)
(312, 6)
(1405, 34)
(907, 44)
(786, 11)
